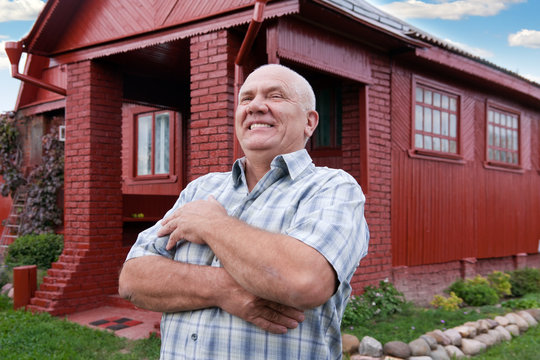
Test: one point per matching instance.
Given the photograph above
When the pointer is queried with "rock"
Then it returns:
(504, 333)
(397, 348)
(350, 343)
(440, 337)
(454, 352)
(10, 293)
(439, 354)
(430, 340)
(511, 318)
(6, 288)
(472, 347)
(454, 336)
(370, 347)
(522, 324)
(363, 357)
(528, 318)
(487, 339)
(391, 358)
(497, 335)
(535, 313)
(420, 358)
(419, 347)
(512, 329)
(483, 326)
(492, 324)
(503, 321)
(466, 331)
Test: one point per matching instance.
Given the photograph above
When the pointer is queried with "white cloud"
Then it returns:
(11, 10)
(525, 38)
(447, 9)
(483, 53)
(535, 78)
(4, 61)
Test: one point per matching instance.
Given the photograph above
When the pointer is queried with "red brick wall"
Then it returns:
(88, 267)
(211, 127)
(377, 265)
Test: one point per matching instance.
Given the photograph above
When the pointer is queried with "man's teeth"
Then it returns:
(254, 126)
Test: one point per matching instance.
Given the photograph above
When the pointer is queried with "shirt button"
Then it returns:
(194, 337)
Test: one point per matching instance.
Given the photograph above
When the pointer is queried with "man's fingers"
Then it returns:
(269, 326)
(287, 311)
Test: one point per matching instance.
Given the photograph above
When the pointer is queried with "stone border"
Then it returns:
(461, 341)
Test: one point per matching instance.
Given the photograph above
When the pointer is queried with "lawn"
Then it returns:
(25, 336)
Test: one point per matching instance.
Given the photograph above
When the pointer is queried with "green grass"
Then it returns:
(24, 335)
(414, 321)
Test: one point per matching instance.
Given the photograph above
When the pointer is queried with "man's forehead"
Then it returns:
(266, 82)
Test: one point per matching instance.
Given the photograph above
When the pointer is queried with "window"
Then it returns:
(502, 137)
(327, 135)
(435, 121)
(153, 137)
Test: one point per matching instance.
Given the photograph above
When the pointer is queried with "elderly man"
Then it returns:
(256, 263)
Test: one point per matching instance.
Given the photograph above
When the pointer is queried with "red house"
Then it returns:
(445, 145)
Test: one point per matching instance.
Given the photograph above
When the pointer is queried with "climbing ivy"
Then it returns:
(10, 157)
(42, 214)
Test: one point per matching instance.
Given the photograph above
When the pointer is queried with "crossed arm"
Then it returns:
(266, 279)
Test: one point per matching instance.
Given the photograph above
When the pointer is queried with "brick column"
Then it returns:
(520, 260)
(211, 127)
(468, 268)
(87, 270)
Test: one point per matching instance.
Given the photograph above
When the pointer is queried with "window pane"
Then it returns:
(436, 144)
(453, 125)
(445, 102)
(418, 141)
(453, 104)
(453, 147)
(427, 97)
(490, 116)
(503, 138)
(436, 99)
(427, 142)
(419, 94)
(497, 136)
(436, 122)
(144, 145)
(427, 119)
(162, 144)
(444, 145)
(444, 123)
(418, 118)
(515, 142)
(490, 135)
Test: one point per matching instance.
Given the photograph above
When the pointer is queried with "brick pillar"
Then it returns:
(87, 270)
(520, 260)
(211, 127)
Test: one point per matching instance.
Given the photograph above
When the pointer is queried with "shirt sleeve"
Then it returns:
(331, 220)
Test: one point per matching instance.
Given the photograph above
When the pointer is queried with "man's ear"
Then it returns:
(311, 124)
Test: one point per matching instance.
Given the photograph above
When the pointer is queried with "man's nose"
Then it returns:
(257, 104)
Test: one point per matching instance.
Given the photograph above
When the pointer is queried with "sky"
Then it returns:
(504, 32)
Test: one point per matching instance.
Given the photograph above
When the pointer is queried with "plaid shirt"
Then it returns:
(322, 207)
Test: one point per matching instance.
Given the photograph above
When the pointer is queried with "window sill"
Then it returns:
(503, 167)
(164, 179)
(426, 155)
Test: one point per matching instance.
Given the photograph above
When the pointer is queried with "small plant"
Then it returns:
(375, 302)
(500, 282)
(524, 281)
(521, 304)
(475, 292)
(450, 303)
(40, 250)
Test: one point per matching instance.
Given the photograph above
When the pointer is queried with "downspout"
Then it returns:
(14, 52)
(247, 43)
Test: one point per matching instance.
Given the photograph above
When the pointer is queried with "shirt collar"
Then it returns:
(292, 163)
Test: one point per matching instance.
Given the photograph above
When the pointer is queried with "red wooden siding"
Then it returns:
(444, 211)
(98, 21)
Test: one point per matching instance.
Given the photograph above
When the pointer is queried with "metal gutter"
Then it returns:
(14, 52)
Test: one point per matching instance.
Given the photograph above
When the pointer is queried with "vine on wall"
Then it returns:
(41, 213)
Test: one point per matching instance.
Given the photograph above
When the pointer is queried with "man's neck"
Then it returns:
(255, 170)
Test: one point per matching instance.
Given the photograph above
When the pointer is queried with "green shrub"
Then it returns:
(501, 283)
(40, 250)
(375, 302)
(521, 304)
(450, 303)
(475, 292)
(524, 281)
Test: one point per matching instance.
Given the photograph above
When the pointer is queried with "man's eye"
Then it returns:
(245, 99)
(276, 96)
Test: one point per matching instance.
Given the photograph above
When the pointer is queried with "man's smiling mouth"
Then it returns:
(255, 126)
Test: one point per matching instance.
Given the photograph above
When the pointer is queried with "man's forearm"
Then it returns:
(160, 284)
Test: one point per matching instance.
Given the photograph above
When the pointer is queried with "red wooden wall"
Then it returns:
(444, 211)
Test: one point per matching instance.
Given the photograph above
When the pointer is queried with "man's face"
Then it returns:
(270, 118)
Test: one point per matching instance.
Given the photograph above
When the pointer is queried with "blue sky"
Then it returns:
(504, 32)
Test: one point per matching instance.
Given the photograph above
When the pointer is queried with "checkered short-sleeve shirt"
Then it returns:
(322, 207)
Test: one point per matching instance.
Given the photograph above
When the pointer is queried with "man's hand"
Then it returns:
(190, 220)
(267, 315)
